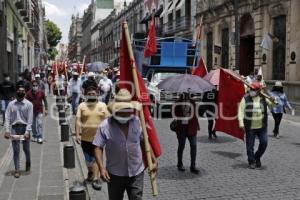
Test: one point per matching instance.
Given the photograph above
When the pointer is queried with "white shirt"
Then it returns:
(59, 81)
(105, 85)
(74, 86)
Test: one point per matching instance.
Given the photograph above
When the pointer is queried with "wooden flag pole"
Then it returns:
(81, 69)
(142, 116)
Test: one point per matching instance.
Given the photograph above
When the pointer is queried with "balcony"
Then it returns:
(180, 24)
(19, 4)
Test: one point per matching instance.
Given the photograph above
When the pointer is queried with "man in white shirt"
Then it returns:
(60, 83)
(74, 91)
(105, 86)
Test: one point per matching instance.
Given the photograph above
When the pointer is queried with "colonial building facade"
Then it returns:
(257, 19)
(75, 36)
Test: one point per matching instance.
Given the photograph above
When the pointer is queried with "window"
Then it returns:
(225, 47)
(209, 54)
(279, 48)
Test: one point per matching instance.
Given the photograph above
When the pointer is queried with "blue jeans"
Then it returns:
(37, 126)
(20, 130)
(75, 102)
(250, 142)
(181, 145)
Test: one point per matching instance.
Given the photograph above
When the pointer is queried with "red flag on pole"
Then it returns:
(126, 77)
(231, 92)
(151, 45)
(201, 70)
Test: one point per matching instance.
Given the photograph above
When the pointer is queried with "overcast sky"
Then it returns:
(60, 12)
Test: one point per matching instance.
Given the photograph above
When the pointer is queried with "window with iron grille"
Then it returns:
(209, 54)
(225, 47)
(279, 48)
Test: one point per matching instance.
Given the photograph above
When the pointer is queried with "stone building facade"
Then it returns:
(257, 18)
(75, 36)
(86, 33)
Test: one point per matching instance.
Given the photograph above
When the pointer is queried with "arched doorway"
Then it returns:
(247, 45)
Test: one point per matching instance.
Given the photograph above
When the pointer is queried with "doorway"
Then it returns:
(247, 45)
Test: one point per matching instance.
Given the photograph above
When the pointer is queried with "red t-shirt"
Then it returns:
(37, 101)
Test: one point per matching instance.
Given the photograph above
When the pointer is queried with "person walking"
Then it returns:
(90, 82)
(121, 137)
(19, 115)
(7, 93)
(74, 91)
(40, 82)
(60, 83)
(187, 128)
(278, 110)
(105, 85)
(253, 120)
(89, 115)
(37, 97)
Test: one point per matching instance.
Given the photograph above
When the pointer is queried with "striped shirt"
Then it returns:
(123, 155)
(19, 112)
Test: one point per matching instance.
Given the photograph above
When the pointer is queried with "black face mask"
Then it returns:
(92, 99)
(75, 78)
(20, 96)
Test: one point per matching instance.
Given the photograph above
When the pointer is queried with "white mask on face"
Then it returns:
(7, 78)
(252, 93)
(123, 120)
(105, 78)
(35, 88)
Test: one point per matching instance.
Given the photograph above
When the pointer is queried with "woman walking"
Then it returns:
(283, 103)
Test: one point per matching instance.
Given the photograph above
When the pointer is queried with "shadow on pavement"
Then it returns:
(245, 166)
(226, 154)
(296, 144)
(220, 139)
(171, 173)
(22, 172)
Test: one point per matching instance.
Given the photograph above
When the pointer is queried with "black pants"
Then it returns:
(277, 119)
(133, 185)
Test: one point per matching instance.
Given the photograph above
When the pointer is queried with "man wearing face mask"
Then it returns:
(7, 93)
(40, 83)
(89, 115)
(90, 82)
(74, 91)
(253, 120)
(121, 137)
(19, 115)
(37, 97)
(105, 86)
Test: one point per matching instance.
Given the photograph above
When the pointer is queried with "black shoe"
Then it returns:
(252, 165)
(194, 170)
(90, 177)
(180, 168)
(28, 166)
(97, 185)
(258, 163)
(209, 137)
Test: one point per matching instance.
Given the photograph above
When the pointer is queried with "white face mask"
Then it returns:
(123, 120)
(35, 88)
(105, 78)
(7, 78)
(252, 93)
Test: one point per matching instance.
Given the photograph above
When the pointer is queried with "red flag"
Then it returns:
(127, 77)
(151, 45)
(231, 92)
(201, 70)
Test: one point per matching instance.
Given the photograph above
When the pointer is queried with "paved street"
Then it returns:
(224, 173)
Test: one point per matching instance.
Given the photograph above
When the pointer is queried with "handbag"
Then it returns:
(173, 125)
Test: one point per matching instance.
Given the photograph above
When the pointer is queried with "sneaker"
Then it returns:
(277, 136)
(28, 166)
(252, 165)
(34, 139)
(180, 168)
(90, 177)
(40, 141)
(258, 163)
(97, 185)
(194, 170)
(215, 136)
(17, 174)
